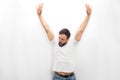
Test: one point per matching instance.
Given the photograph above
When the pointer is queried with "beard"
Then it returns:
(61, 44)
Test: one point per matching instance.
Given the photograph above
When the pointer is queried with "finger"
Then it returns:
(40, 5)
(86, 5)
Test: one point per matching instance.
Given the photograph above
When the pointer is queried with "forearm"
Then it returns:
(44, 24)
(84, 24)
(82, 28)
(46, 28)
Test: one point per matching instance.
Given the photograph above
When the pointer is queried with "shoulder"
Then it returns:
(73, 41)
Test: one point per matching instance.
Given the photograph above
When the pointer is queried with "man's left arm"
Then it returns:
(82, 27)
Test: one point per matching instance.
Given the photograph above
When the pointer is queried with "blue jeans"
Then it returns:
(58, 77)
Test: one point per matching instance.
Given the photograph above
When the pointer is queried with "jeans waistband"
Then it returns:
(64, 75)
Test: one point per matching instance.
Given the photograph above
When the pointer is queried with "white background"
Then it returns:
(26, 53)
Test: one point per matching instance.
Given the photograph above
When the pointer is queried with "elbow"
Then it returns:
(79, 35)
(78, 38)
(51, 37)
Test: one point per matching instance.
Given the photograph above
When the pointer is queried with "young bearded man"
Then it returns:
(63, 46)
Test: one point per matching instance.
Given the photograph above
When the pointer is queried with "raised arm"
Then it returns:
(46, 27)
(82, 27)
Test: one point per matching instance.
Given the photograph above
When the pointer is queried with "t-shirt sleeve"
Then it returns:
(74, 41)
(54, 41)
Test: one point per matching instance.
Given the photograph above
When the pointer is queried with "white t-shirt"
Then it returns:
(62, 56)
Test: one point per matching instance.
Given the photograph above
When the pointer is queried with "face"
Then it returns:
(62, 39)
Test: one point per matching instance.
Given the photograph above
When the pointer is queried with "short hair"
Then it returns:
(66, 32)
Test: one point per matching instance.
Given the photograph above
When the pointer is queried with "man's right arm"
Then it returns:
(46, 27)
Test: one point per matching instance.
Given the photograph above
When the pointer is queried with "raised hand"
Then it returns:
(82, 27)
(88, 9)
(46, 27)
(39, 9)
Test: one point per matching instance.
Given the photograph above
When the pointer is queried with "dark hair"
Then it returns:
(65, 31)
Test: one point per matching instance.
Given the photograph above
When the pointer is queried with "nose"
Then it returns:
(60, 40)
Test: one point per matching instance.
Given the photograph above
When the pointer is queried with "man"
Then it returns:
(62, 66)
